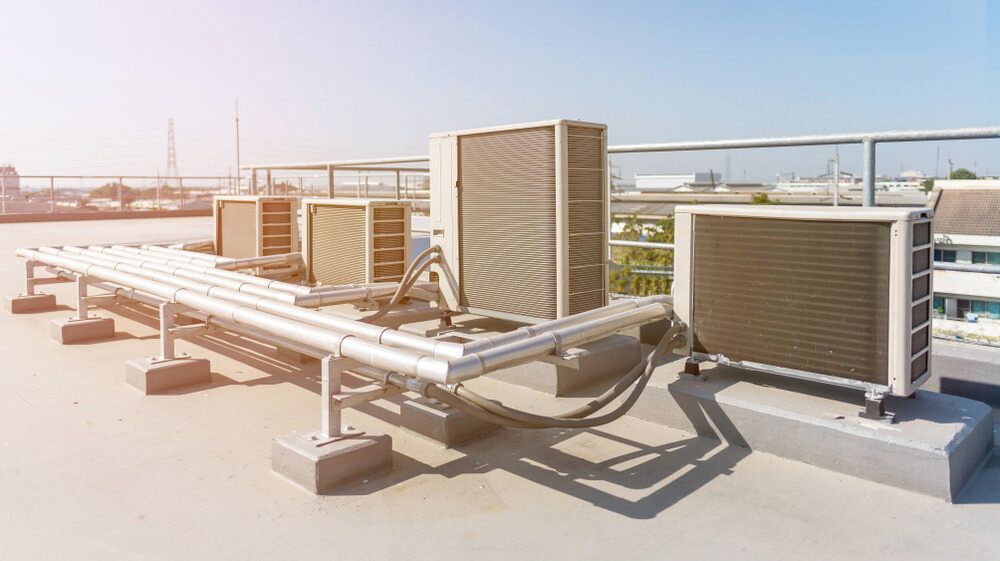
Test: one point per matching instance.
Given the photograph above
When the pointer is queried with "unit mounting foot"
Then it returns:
(692, 368)
(875, 408)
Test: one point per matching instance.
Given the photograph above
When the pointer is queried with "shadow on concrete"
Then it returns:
(639, 483)
(984, 487)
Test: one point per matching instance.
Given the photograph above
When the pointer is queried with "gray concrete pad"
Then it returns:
(583, 366)
(441, 423)
(935, 446)
(73, 330)
(150, 375)
(322, 468)
(25, 304)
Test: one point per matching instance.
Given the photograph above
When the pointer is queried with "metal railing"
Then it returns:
(37, 194)
(868, 140)
(401, 167)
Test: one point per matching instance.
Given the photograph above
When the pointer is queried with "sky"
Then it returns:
(89, 86)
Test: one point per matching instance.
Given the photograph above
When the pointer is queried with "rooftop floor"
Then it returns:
(91, 469)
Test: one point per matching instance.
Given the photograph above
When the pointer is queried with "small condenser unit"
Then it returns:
(841, 296)
(255, 226)
(521, 213)
(352, 241)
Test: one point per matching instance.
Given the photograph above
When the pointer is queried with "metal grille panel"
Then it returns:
(797, 294)
(337, 244)
(507, 221)
(237, 229)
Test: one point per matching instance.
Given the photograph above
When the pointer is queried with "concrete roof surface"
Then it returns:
(91, 469)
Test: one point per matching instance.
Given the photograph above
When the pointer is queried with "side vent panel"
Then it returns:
(255, 226)
(586, 199)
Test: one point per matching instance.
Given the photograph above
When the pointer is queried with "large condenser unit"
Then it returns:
(255, 226)
(838, 295)
(350, 241)
(521, 213)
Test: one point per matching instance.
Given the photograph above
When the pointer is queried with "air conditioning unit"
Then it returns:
(349, 241)
(255, 226)
(837, 295)
(521, 212)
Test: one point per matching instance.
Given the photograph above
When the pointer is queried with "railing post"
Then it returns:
(52, 195)
(397, 185)
(253, 181)
(329, 181)
(121, 193)
(180, 187)
(868, 171)
(270, 183)
(3, 195)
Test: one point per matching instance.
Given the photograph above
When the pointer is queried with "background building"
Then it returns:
(967, 231)
(10, 181)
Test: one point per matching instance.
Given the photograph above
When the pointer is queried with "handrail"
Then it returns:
(867, 139)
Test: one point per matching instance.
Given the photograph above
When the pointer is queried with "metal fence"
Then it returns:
(867, 140)
(37, 194)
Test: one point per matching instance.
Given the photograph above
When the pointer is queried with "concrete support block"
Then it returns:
(441, 423)
(935, 446)
(583, 366)
(322, 468)
(25, 304)
(651, 333)
(73, 330)
(294, 357)
(150, 375)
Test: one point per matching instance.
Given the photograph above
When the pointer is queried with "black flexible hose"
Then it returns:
(495, 412)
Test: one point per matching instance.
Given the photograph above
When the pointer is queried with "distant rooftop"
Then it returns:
(974, 212)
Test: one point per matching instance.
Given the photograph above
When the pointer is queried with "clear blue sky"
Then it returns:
(88, 87)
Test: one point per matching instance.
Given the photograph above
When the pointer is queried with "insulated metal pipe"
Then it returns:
(207, 269)
(224, 272)
(528, 331)
(428, 368)
(344, 295)
(375, 333)
(395, 338)
(107, 259)
(293, 258)
(180, 254)
(229, 263)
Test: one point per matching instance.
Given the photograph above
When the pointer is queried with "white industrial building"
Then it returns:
(680, 182)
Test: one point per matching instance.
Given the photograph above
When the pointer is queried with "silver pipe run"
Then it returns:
(416, 343)
(224, 272)
(156, 270)
(185, 254)
(207, 269)
(202, 298)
